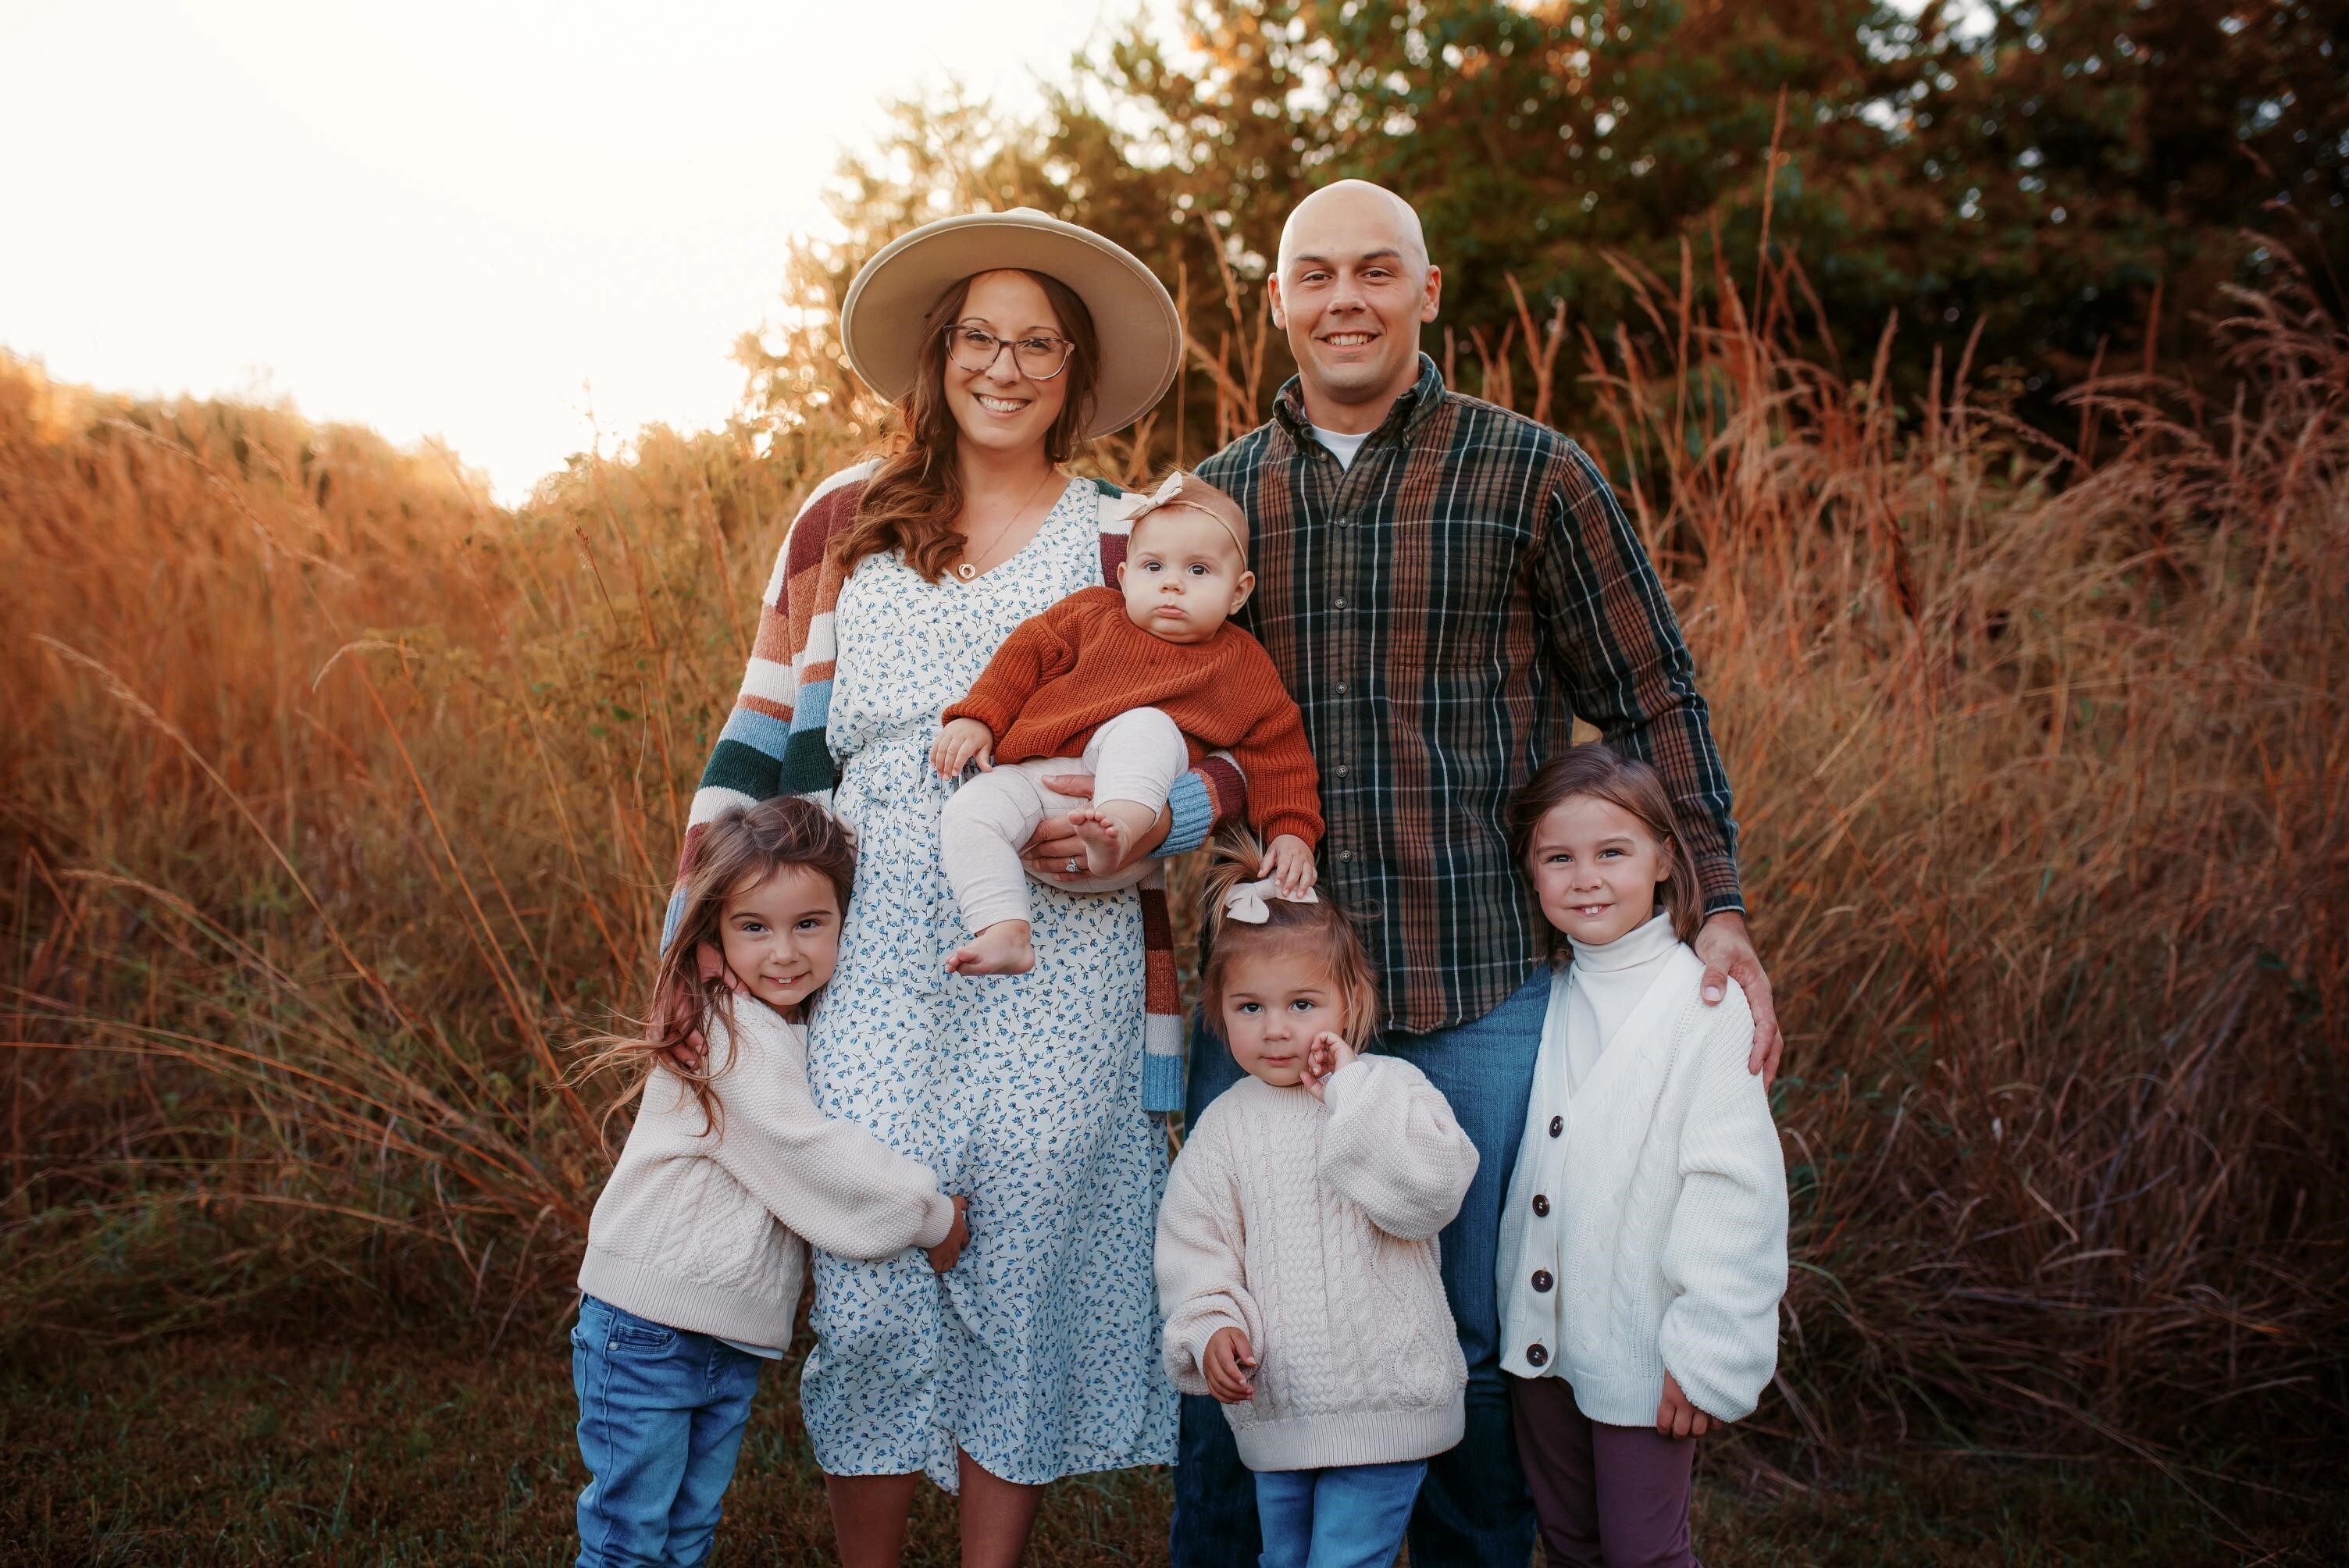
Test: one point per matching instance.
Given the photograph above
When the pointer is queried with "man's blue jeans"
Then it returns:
(1473, 1511)
(1348, 1516)
(661, 1413)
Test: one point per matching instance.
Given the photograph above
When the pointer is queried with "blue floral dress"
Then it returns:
(1037, 1355)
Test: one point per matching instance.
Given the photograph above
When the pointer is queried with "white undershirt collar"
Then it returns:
(1342, 445)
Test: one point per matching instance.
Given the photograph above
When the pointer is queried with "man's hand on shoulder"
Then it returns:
(1727, 949)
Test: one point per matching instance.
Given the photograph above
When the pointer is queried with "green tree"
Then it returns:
(2085, 154)
(1541, 142)
(2033, 171)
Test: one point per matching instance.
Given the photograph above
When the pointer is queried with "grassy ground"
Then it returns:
(223, 1449)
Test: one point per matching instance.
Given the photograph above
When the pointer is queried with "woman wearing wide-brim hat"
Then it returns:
(1005, 339)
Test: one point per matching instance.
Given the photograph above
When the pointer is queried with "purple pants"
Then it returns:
(1607, 1497)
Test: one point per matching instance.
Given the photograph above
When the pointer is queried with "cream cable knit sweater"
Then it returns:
(1312, 1230)
(705, 1232)
(1645, 1228)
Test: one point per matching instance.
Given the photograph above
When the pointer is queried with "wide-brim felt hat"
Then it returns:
(1141, 336)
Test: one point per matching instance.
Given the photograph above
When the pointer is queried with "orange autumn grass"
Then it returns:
(339, 803)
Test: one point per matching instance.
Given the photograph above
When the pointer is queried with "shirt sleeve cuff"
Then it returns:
(1204, 1332)
(938, 1220)
(985, 712)
(1194, 812)
(1717, 877)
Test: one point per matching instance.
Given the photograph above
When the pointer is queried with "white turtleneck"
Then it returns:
(1606, 982)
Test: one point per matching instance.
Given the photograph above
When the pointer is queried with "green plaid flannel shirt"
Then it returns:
(1441, 611)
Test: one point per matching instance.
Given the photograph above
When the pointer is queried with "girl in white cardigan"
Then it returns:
(1643, 1247)
(1297, 1252)
(697, 1247)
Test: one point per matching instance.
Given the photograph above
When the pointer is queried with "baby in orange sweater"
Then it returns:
(1134, 685)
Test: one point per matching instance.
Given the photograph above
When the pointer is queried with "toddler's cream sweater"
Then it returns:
(709, 1230)
(1311, 1229)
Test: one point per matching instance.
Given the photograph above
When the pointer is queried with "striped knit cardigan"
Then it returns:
(773, 743)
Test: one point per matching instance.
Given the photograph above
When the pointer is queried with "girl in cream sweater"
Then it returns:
(697, 1247)
(1643, 1245)
(1297, 1252)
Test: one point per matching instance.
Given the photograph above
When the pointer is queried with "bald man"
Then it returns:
(1444, 585)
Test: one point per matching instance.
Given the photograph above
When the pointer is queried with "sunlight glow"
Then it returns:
(512, 225)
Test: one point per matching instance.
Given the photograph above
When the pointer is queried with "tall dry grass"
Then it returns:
(339, 801)
(2046, 782)
(334, 794)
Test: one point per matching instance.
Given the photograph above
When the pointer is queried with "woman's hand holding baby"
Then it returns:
(958, 742)
(945, 1255)
(1328, 1053)
(1288, 861)
(1228, 1362)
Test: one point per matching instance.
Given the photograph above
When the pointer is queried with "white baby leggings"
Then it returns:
(1136, 757)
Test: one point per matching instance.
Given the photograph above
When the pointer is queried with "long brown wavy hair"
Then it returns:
(1321, 933)
(740, 850)
(911, 503)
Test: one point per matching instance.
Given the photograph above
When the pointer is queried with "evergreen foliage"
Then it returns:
(2061, 182)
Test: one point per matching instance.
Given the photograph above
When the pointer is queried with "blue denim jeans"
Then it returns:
(1473, 1511)
(1348, 1516)
(661, 1413)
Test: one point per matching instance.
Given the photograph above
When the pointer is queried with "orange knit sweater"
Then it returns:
(1063, 673)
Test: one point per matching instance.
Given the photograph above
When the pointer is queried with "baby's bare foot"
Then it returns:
(1003, 948)
(1108, 840)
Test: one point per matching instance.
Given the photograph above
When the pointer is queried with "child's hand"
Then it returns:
(1676, 1417)
(1288, 861)
(1229, 1361)
(958, 743)
(946, 1253)
(1323, 1058)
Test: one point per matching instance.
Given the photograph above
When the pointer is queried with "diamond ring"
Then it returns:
(1072, 868)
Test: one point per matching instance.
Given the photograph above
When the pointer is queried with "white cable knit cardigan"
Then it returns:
(1312, 1230)
(1645, 1228)
(706, 1232)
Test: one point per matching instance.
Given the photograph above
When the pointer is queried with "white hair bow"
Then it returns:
(1135, 504)
(1135, 507)
(1246, 902)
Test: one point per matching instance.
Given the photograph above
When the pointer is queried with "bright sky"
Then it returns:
(474, 219)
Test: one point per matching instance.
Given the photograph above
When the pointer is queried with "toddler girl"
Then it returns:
(1137, 683)
(1297, 1252)
(1643, 1247)
(699, 1245)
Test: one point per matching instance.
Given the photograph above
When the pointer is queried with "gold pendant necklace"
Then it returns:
(964, 568)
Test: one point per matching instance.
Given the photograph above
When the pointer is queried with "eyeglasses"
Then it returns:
(975, 349)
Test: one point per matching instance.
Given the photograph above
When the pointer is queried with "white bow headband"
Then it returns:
(1170, 493)
(1246, 902)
